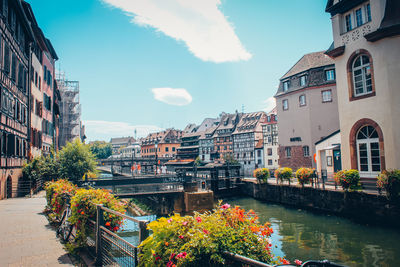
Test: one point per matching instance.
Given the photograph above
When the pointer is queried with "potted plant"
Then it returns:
(262, 175)
(304, 175)
(389, 180)
(348, 179)
(282, 174)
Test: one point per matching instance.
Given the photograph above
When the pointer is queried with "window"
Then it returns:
(166, 149)
(348, 23)
(285, 86)
(361, 71)
(330, 75)
(270, 162)
(285, 104)
(302, 100)
(306, 151)
(326, 96)
(269, 151)
(368, 12)
(359, 19)
(258, 153)
(173, 148)
(368, 154)
(303, 80)
(288, 151)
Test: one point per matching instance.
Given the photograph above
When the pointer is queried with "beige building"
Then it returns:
(366, 51)
(307, 109)
(270, 138)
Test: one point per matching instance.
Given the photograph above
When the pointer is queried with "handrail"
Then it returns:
(123, 215)
(245, 260)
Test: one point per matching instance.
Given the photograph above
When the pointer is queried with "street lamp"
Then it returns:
(156, 145)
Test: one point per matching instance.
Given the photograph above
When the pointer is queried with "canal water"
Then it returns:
(304, 235)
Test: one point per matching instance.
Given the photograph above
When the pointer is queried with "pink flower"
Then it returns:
(169, 221)
(185, 223)
(198, 219)
(298, 262)
(206, 231)
(172, 256)
(181, 255)
(225, 206)
(181, 236)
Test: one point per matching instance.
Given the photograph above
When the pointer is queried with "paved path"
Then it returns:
(26, 238)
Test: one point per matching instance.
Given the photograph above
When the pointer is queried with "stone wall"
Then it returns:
(297, 159)
(362, 207)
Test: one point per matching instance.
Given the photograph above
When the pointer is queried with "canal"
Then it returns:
(304, 235)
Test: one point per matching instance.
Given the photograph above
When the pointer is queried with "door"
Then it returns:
(9, 187)
(337, 161)
(368, 154)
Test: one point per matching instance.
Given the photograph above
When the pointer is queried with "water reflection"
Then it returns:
(304, 235)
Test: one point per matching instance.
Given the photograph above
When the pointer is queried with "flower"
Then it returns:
(181, 236)
(185, 223)
(298, 262)
(108, 223)
(198, 219)
(172, 256)
(284, 261)
(181, 255)
(225, 206)
(166, 243)
(206, 231)
(82, 213)
(158, 258)
(169, 220)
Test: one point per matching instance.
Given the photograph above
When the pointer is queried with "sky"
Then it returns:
(155, 64)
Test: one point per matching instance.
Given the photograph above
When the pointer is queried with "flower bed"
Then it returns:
(304, 175)
(261, 174)
(200, 240)
(389, 180)
(348, 179)
(282, 174)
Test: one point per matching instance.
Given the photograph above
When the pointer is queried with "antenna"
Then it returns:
(135, 133)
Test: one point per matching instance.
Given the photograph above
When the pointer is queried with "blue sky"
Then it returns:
(150, 64)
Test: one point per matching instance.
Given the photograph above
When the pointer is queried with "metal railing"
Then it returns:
(109, 248)
(24, 188)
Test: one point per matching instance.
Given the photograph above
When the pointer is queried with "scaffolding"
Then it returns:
(70, 109)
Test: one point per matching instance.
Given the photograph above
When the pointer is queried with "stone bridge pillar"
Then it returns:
(214, 180)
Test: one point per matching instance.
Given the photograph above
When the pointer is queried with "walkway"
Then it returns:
(26, 238)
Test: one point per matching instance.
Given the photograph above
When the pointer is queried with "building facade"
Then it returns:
(365, 50)
(15, 38)
(246, 136)
(121, 142)
(307, 109)
(161, 144)
(270, 138)
(223, 141)
(206, 144)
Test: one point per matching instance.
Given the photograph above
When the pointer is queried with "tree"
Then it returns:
(101, 149)
(75, 160)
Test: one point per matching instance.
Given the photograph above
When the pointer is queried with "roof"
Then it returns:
(122, 140)
(309, 61)
(249, 122)
(167, 136)
(327, 137)
(260, 144)
(228, 121)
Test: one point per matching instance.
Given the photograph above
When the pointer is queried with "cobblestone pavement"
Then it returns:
(26, 238)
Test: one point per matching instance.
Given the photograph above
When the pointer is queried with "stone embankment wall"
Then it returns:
(366, 208)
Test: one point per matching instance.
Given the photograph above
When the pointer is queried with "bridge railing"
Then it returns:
(108, 247)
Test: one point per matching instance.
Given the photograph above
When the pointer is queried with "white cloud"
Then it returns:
(105, 130)
(172, 96)
(200, 24)
(269, 104)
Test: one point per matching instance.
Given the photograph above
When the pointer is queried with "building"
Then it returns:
(131, 151)
(327, 157)
(270, 137)
(223, 141)
(365, 49)
(120, 143)
(206, 144)
(70, 110)
(16, 37)
(246, 136)
(307, 109)
(162, 144)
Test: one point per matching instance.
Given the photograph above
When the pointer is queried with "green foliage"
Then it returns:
(229, 158)
(389, 180)
(75, 160)
(261, 174)
(43, 167)
(200, 240)
(304, 175)
(283, 174)
(348, 179)
(101, 149)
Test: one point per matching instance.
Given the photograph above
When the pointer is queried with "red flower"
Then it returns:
(108, 223)
(225, 206)
(206, 231)
(172, 256)
(181, 255)
(298, 262)
(284, 261)
(181, 236)
(158, 258)
(198, 219)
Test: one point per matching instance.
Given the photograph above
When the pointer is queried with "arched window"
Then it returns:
(368, 153)
(362, 78)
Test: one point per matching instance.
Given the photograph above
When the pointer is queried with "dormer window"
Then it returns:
(285, 86)
(303, 80)
(359, 18)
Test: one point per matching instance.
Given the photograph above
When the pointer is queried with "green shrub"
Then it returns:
(304, 175)
(200, 240)
(282, 174)
(262, 174)
(389, 180)
(348, 179)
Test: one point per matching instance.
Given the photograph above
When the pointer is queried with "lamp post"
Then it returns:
(156, 145)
